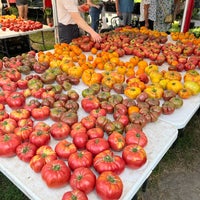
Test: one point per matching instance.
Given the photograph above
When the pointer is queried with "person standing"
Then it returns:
(124, 8)
(11, 6)
(164, 7)
(70, 20)
(147, 13)
(95, 11)
(48, 12)
(22, 6)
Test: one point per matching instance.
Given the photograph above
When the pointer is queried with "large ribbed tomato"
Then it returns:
(56, 173)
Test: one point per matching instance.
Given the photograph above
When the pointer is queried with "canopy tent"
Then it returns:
(189, 5)
(55, 19)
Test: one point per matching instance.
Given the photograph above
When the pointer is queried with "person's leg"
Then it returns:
(94, 13)
(20, 11)
(26, 12)
(151, 24)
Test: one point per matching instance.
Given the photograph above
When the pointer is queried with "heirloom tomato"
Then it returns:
(116, 141)
(88, 121)
(83, 179)
(74, 194)
(90, 77)
(59, 130)
(19, 113)
(56, 112)
(108, 161)
(98, 112)
(193, 86)
(136, 136)
(109, 186)
(23, 132)
(138, 119)
(56, 173)
(89, 103)
(43, 126)
(3, 115)
(134, 156)
(8, 144)
(107, 106)
(80, 159)
(15, 100)
(64, 149)
(9, 86)
(185, 93)
(77, 128)
(177, 101)
(97, 145)
(25, 122)
(174, 85)
(8, 125)
(44, 154)
(95, 132)
(154, 91)
(168, 108)
(39, 137)
(80, 140)
(69, 117)
(40, 113)
(26, 151)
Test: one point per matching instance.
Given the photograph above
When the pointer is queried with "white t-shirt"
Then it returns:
(63, 9)
(151, 11)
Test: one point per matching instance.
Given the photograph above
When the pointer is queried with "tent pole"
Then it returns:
(55, 19)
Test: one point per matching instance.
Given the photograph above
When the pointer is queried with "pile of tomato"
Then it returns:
(95, 107)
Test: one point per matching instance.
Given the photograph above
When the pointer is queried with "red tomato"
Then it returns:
(107, 161)
(80, 159)
(43, 126)
(98, 112)
(83, 179)
(77, 128)
(74, 194)
(39, 138)
(44, 154)
(95, 132)
(80, 140)
(88, 122)
(23, 132)
(40, 113)
(109, 186)
(8, 125)
(116, 141)
(97, 145)
(26, 151)
(89, 103)
(55, 173)
(64, 149)
(3, 115)
(15, 100)
(134, 156)
(25, 122)
(8, 144)
(59, 130)
(136, 136)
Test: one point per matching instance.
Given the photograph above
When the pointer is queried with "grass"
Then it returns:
(184, 152)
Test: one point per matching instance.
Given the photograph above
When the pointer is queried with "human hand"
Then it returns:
(96, 37)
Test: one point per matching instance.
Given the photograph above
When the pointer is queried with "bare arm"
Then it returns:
(83, 25)
(8, 3)
(117, 7)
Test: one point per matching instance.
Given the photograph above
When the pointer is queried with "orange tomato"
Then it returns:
(133, 109)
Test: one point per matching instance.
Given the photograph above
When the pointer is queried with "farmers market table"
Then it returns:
(6, 35)
(35, 188)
